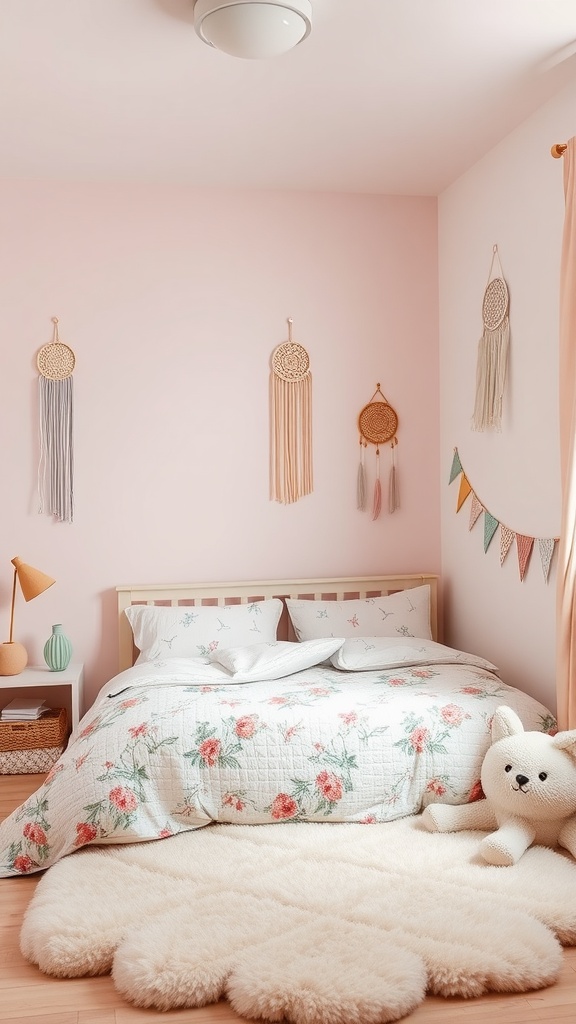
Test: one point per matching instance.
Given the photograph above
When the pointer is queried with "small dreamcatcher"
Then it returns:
(492, 352)
(377, 424)
(290, 422)
(55, 362)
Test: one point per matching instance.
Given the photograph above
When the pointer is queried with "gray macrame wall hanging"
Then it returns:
(55, 363)
(492, 352)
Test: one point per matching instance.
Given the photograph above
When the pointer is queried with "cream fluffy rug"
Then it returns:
(315, 923)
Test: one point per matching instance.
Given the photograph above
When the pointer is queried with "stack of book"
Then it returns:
(23, 709)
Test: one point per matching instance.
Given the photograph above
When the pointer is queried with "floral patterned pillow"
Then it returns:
(186, 631)
(274, 660)
(406, 613)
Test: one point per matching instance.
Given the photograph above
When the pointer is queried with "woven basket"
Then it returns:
(28, 762)
(48, 731)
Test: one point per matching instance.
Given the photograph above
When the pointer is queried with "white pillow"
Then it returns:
(186, 631)
(274, 660)
(406, 613)
(369, 653)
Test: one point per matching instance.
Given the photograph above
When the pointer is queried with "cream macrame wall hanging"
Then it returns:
(377, 424)
(492, 352)
(55, 363)
(290, 422)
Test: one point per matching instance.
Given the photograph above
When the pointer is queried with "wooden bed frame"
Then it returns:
(220, 594)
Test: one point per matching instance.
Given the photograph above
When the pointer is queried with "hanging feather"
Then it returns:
(393, 495)
(55, 363)
(361, 481)
(377, 489)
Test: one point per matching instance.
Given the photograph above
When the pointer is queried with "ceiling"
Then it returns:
(385, 96)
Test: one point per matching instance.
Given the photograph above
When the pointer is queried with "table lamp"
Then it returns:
(14, 656)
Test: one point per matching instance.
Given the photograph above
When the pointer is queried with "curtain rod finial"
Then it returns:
(558, 150)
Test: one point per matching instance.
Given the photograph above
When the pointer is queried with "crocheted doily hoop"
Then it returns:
(56, 361)
(290, 361)
(495, 304)
(378, 422)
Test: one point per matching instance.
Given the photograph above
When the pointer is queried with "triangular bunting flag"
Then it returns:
(506, 538)
(476, 509)
(490, 526)
(524, 545)
(463, 493)
(456, 466)
(546, 546)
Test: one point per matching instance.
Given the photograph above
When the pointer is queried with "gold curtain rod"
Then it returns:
(558, 150)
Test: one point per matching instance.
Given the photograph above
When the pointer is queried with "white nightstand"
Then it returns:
(59, 689)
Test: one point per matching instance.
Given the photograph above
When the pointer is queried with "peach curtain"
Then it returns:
(566, 592)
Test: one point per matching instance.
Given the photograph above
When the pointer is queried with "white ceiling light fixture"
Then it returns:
(253, 28)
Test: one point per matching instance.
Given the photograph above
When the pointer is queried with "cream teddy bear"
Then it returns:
(529, 779)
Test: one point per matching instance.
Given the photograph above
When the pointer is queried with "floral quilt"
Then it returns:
(173, 746)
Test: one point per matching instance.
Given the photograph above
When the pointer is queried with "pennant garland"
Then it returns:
(524, 544)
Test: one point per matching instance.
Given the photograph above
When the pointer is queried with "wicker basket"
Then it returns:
(47, 731)
(28, 762)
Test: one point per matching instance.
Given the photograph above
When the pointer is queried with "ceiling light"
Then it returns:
(253, 28)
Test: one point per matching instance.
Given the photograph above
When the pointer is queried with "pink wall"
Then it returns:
(513, 197)
(173, 300)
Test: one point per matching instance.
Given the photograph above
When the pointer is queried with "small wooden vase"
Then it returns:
(13, 658)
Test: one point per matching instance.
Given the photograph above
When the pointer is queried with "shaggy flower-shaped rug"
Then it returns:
(315, 923)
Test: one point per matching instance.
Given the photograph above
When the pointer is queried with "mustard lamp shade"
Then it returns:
(14, 656)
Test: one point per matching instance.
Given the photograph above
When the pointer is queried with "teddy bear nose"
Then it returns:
(522, 780)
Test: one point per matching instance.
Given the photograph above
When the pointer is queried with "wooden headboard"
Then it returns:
(220, 594)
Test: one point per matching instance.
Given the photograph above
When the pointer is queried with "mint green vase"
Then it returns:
(57, 650)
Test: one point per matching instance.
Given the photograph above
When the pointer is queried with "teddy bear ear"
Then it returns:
(505, 722)
(566, 741)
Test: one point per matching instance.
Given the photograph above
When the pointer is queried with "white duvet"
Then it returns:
(178, 744)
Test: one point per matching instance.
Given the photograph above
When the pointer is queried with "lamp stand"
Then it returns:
(11, 636)
(13, 658)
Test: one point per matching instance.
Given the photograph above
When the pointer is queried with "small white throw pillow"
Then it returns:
(406, 613)
(274, 660)
(369, 653)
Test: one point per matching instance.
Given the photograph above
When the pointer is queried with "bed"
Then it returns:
(258, 702)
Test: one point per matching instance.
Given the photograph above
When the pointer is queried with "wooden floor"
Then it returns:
(28, 995)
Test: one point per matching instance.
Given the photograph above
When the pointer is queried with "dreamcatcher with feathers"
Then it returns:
(377, 425)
